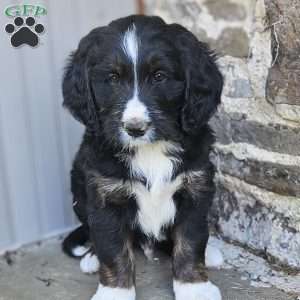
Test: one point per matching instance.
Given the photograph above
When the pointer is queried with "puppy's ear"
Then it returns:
(204, 82)
(78, 98)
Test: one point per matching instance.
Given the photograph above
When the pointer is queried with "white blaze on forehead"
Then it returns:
(134, 107)
(130, 44)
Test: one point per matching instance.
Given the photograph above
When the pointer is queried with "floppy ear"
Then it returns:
(204, 81)
(78, 97)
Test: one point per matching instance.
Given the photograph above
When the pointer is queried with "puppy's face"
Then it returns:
(138, 81)
(138, 85)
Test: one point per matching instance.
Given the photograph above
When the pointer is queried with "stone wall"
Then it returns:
(257, 154)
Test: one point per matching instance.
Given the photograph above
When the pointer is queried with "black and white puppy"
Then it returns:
(145, 91)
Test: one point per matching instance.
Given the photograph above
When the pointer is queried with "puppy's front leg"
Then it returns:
(190, 276)
(111, 240)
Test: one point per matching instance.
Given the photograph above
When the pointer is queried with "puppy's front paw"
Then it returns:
(108, 293)
(196, 291)
(89, 263)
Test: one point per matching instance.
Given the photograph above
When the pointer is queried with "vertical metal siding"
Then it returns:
(38, 139)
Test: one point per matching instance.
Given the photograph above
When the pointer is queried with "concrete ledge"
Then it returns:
(44, 272)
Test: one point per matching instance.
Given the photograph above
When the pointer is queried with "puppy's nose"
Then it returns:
(136, 127)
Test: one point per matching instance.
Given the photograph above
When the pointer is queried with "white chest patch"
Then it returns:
(155, 200)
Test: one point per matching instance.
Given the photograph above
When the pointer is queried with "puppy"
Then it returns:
(145, 91)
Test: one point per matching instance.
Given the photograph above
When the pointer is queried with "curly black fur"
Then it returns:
(179, 106)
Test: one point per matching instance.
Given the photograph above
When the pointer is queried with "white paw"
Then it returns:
(89, 263)
(148, 252)
(79, 251)
(107, 293)
(213, 257)
(196, 291)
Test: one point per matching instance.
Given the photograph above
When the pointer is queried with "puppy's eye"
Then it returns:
(159, 76)
(113, 77)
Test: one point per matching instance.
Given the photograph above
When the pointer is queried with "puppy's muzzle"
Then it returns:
(136, 127)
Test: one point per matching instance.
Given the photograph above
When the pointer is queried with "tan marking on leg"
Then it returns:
(121, 273)
(186, 268)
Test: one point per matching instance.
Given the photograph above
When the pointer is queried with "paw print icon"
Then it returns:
(24, 31)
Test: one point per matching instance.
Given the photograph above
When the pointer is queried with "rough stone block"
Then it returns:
(284, 76)
(226, 10)
(212, 21)
(246, 214)
(272, 136)
(267, 170)
(237, 79)
(233, 41)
